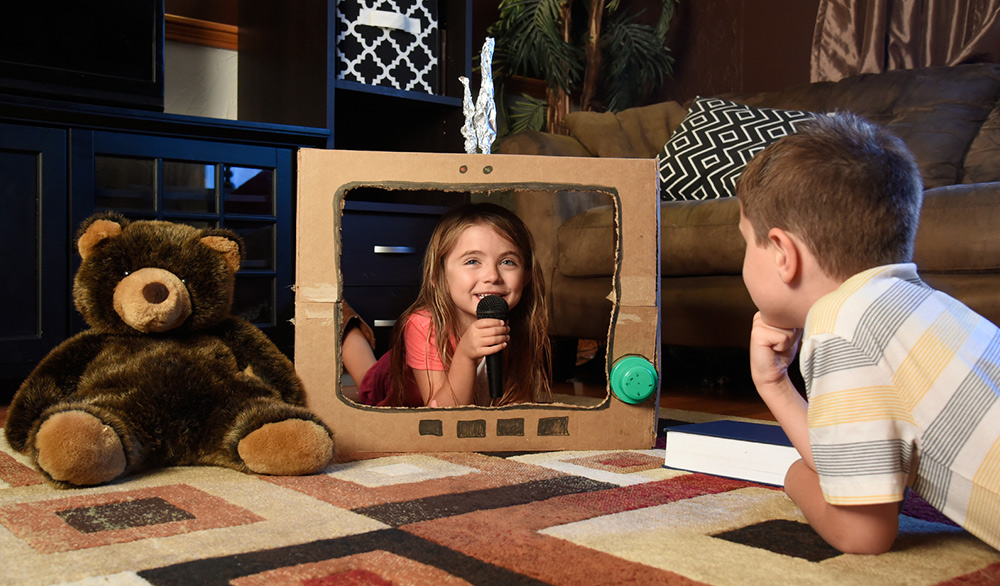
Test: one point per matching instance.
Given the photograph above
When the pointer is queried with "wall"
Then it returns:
(719, 46)
(223, 11)
(722, 46)
(200, 72)
(748, 46)
(199, 80)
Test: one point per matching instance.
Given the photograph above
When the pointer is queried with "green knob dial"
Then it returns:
(633, 379)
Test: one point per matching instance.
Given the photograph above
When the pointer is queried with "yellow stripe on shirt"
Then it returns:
(983, 513)
(931, 354)
(860, 404)
(877, 499)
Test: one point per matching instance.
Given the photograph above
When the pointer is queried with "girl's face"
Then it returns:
(483, 262)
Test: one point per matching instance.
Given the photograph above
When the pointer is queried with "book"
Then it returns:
(758, 452)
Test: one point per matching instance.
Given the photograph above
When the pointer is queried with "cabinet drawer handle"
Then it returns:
(383, 323)
(389, 19)
(394, 249)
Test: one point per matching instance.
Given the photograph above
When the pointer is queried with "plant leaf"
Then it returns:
(529, 42)
(528, 113)
(634, 61)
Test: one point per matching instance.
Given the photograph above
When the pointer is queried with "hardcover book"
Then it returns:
(758, 452)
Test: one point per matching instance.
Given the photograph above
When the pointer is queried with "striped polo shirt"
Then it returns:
(902, 382)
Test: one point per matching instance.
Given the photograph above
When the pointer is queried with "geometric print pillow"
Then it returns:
(714, 142)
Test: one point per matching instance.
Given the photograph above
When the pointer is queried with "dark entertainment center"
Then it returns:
(82, 128)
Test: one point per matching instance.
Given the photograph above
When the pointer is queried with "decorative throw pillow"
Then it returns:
(715, 141)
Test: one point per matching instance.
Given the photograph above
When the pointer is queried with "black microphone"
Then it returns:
(493, 307)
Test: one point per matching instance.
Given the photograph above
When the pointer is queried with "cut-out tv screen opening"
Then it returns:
(353, 204)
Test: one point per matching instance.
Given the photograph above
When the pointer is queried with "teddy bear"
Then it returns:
(165, 375)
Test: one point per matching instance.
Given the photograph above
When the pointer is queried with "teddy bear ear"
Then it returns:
(98, 229)
(228, 245)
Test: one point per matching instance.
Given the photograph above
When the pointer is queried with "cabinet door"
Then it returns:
(382, 254)
(34, 245)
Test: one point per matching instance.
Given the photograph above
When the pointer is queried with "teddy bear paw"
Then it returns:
(78, 448)
(287, 448)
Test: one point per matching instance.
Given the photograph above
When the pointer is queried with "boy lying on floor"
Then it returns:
(901, 379)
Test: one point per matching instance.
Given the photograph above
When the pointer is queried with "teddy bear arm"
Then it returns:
(52, 381)
(257, 355)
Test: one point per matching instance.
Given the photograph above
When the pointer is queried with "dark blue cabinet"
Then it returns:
(34, 247)
(59, 164)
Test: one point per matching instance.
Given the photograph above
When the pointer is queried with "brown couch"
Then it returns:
(949, 118)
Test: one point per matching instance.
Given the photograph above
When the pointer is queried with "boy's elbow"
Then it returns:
(863, 544)
(866, 530)
(858, 529)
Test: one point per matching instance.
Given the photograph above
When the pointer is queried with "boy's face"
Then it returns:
(760, 274)
(483, 262)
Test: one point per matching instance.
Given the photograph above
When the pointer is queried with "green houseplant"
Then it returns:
(608, 54)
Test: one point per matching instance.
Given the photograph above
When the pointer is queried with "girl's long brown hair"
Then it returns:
(527, 357)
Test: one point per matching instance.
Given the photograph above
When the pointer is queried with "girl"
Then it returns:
(438, 344)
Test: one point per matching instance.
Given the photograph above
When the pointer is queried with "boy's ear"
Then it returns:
(787, 256)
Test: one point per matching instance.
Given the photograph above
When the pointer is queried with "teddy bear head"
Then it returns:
(144, 276)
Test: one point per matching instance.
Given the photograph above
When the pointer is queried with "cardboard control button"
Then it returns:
(633, 379)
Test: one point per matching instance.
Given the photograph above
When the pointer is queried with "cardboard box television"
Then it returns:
(327, 178)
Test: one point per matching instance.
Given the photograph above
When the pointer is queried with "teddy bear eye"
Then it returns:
(126, 273)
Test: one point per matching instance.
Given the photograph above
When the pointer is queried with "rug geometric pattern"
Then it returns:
(440, 519)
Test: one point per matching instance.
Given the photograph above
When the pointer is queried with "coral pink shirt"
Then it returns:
(418, 336)
(421, 355)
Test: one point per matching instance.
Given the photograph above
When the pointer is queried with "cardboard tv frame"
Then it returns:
(325, 177)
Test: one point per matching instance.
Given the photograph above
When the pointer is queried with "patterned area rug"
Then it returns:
(439, 519)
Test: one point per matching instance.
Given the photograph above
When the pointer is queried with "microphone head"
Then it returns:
(492, 307)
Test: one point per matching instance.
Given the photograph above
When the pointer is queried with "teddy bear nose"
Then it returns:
(155, 292)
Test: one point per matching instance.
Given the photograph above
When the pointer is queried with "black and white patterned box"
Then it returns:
(389, 43)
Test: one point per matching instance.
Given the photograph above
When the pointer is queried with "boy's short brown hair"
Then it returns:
(848, 188)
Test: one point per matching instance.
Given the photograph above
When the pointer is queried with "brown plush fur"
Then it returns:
(165, 375)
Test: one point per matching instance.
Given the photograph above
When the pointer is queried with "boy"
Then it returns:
(902, 379)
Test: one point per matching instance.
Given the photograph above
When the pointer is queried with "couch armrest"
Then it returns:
(958, 229)
(533, 142)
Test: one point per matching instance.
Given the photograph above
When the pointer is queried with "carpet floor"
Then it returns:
(562, 518)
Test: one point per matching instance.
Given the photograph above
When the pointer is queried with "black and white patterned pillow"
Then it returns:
(714, 142)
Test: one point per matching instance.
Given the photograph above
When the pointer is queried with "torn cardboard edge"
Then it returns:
(325, 176)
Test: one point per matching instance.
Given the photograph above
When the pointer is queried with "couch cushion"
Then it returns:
(713, 144)
(632, 133)
(937, 111)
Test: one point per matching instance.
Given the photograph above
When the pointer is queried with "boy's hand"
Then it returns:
(772, 350)
(484, 337)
